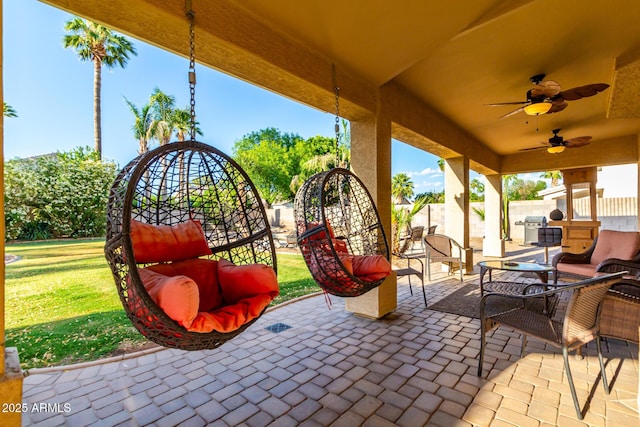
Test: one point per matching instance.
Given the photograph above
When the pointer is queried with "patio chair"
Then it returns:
(610, 244)
(621, 306)
(406, 252)
(443, 249)
(580, 322)
(416, 236)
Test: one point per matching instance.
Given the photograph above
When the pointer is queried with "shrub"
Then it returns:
(57, 195)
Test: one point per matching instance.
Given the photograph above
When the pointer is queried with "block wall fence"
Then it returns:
(619, 213)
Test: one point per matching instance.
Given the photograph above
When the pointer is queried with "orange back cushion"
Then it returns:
(243, 281)
(162, 243)
(615, 244)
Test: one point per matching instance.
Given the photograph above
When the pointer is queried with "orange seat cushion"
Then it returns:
(242, 281)
(175, 287)
(162, 243)
(229, 318)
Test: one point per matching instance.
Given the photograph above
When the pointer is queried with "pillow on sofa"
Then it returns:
(202, 271)
(162, 243)
(177, 296)
(243, 281)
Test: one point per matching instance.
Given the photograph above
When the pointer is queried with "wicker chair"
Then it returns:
(444, 249)
(170, 186)
(621, 306)
(610, 244)
(338, 226)
(580, 323)
(407, 253)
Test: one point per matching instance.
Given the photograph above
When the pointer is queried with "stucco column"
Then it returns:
(456, 204)
(371, 162)
(10, 372)
(493, 244)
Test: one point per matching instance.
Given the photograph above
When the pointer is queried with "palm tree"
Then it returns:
(554, 176)
(401, 187)
(143, 125)
(182, 124)
(8, 111)
(96, 43)
(163, 107)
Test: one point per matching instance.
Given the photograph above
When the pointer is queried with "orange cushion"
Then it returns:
(365, 265)
(177, 296)
(243, 281)
(615, 244)
(202, 271)
(162, 243)
(231, 317)
(340, 246)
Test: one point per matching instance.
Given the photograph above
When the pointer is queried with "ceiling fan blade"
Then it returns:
(514, 112)
(557, 105)
(583, 91)
(499, 104)
(543, 145)
(548, 89)
(533, 148)
(579, 141)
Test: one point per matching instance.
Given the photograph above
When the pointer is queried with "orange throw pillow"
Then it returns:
(162, 243)
(370, 265)
(243, 281)
(177, 296)
(202, 271)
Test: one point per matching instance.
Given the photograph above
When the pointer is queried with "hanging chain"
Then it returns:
(336, 90)
(192, 69)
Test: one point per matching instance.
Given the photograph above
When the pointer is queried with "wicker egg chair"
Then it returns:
(337, 225)
(178, 182)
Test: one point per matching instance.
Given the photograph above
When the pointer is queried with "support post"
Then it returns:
(456, 204)
(493, 244)
(10, 372)
(371, 162)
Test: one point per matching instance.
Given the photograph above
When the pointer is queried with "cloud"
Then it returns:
(425, 172)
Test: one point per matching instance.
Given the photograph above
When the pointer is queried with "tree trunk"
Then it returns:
(97, 129)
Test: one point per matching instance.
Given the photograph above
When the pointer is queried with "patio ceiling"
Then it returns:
(450, 58)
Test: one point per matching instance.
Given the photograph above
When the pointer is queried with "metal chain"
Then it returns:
(336, 90)
(192, 69)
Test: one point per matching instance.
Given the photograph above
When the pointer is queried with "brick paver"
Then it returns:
(414, 367)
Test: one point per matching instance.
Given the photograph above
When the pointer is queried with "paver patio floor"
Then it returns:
(414, 367)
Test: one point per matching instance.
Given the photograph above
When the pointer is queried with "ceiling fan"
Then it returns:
(557, 144)
(546, 96)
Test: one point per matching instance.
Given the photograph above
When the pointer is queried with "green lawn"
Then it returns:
(62, 306)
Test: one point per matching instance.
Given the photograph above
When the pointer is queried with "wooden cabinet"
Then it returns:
(580, 227)
(577, 236)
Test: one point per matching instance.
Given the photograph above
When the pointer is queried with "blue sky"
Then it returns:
(51, 90)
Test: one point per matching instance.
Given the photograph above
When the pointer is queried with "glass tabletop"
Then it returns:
(514, 266)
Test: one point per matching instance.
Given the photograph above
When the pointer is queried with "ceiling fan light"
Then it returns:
(555, 149)
(537, 108)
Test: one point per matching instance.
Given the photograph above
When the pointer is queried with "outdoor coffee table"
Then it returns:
(542, 271)
(526, 267)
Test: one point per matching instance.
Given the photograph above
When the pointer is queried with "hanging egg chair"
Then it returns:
(189, 246)
(189, 243)
(340, 234)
